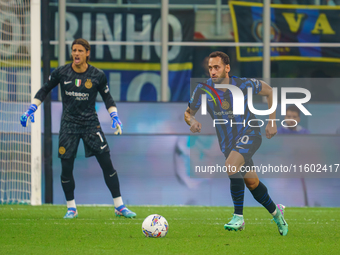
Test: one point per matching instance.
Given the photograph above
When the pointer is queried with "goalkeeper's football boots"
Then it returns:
(280, 221)
(236, 223)
(123, 211)
(72, 213)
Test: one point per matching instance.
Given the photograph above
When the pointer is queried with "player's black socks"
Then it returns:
(110, 174)
(67, 181)
(261, 195)
(237, 192)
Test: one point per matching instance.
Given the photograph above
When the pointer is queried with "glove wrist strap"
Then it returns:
(113, 114)
(32, 108)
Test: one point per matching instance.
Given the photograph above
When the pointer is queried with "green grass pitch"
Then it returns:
(192, 230)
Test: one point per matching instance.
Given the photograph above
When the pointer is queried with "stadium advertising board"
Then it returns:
(133, 71)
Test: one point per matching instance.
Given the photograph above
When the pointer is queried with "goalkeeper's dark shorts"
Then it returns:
(94, 143)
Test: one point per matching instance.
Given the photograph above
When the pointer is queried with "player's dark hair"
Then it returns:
(84, 43)
(222, 55)
(293, 108)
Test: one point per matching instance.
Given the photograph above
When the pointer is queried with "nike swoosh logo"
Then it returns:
(211, 99)
(102, 147)
(67, 82)
(65, 181)
(113, 174)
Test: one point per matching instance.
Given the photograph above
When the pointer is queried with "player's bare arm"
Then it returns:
(112, 109)
(35, 101)
(189, 117)
(267, 91)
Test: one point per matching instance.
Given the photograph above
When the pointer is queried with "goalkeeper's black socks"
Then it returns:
(112, 183)
(261, 195)
(110, 174)
(68, 187)
(67, 181)
(237, 192)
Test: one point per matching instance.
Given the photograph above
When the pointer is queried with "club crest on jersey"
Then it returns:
(78, 82)
(225, 104)
(88, 84)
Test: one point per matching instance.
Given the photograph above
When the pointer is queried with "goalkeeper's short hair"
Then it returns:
(84, 43)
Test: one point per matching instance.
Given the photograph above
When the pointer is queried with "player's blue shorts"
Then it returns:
(246, 145)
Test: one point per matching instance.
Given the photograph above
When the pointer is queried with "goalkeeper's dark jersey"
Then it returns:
(79, 92)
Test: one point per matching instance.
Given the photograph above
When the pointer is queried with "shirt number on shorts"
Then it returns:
(101, 138)
(244, 139)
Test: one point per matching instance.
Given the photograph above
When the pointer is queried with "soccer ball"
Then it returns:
(155, 225)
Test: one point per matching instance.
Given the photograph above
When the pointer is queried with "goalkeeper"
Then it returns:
(79, 84)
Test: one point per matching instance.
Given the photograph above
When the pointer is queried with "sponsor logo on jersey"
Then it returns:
(67, 82)
(78, 82)
(62, 150)
(79, 95)
(88, 84)
(229, 113)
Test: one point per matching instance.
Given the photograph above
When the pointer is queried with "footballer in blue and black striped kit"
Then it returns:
(238, 139)
(80, 83)
(235, 131)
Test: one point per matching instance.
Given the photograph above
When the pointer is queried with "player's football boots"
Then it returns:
(280, 220)
(71, 213)
(124, 211)
(236, 223)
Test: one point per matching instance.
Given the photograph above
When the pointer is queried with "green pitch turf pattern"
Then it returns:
(28, 229)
